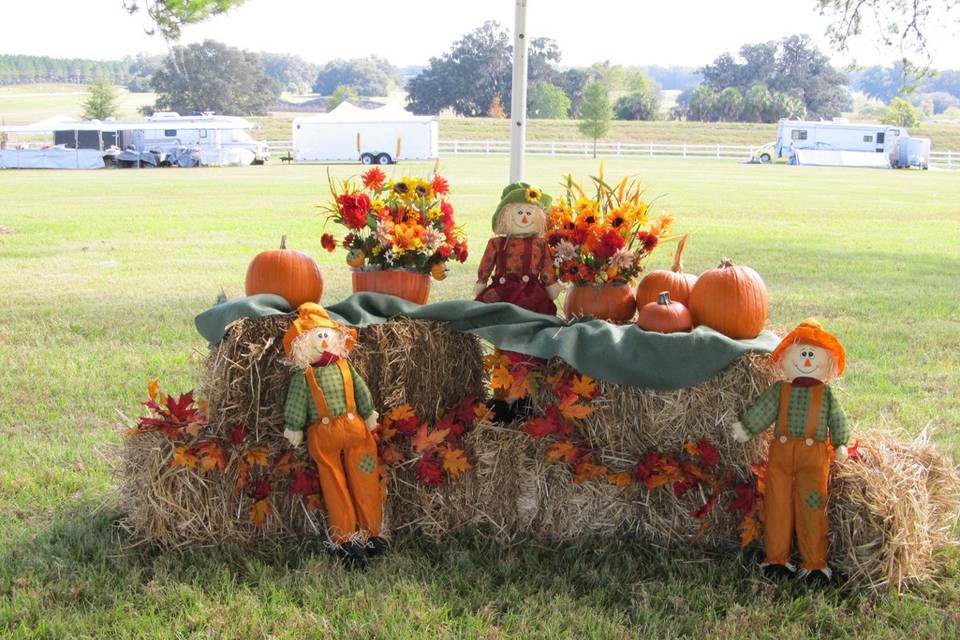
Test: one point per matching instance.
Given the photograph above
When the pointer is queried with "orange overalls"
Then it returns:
(795, 490)
(347, 465)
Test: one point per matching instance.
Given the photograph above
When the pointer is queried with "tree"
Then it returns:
(212, 77)
(290, 72)
(757, 104)
(101, 102)
(369, 76)
(595, 113)
(730, 104)
(901, 113)
(703, 104)
(343, 93)
(171, 16)
(545, 100)
(639, 105)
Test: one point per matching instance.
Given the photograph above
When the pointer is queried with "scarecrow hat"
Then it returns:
(520, 192)
(811, 332)
(311, 315)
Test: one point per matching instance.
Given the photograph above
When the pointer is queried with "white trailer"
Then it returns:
(213, 135)
(371, 136)
(840, 142)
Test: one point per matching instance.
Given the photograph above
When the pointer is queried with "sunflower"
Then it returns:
(533, 194)
(401, 188)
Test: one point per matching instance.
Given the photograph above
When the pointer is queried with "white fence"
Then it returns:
(938, 159)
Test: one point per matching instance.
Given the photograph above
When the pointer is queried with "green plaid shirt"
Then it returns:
(764, 411)
(300, 410)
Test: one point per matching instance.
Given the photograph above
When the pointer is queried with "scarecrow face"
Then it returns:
(807, 361)
(519, 219)
(310, 346)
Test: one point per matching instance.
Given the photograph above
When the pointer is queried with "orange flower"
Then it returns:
(408, 236)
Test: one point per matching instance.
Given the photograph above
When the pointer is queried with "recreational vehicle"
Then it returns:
(371, 136)
(840, 142)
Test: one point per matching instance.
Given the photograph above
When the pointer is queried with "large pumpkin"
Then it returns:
(614, 303)
(665, 315)
(285, 272)
(408, 285)
(675, 281)
(731, 299)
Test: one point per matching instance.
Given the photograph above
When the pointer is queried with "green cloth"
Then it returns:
(300, 410)
(765, 410)
(623, 354)
(212, 323)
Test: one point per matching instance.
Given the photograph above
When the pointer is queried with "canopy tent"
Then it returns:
(63, 123)
(346, 112)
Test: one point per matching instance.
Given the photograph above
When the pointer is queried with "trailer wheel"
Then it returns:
(384, 158)
(765, 158)
(366, 158)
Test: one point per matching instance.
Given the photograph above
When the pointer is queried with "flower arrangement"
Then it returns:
(406, 224)
(604, 238)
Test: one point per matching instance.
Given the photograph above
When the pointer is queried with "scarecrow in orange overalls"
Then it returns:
(333, 403)
(806, 415)
(521, 263)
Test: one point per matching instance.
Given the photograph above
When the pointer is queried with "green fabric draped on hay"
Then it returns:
(621, 354)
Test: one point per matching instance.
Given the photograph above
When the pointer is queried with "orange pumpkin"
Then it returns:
(665, 316)
(615, 303)
(408, 285)
(731, 299)
(356, 258)
(285, 272)
(675, 281)
(439, 271)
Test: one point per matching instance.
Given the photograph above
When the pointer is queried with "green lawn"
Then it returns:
(27, 103)
(105, 270)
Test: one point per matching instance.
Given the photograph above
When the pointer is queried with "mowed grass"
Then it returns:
(104, 272)
(24, 104)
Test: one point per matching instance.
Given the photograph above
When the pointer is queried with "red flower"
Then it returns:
(573, 271)
(447, 210)
(649, 240)
(440, 185)
(348, 240)
(353, 209)
(460, 250)
(610, 243)
(374, 178)
(328, 242)
(445, 251)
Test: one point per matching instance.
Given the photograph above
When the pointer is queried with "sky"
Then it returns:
(629, 32)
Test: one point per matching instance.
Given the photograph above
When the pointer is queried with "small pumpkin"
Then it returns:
(665, 315)
(673, 280)
(408, 285)
(615, 303)
(439, 271)
(291, 274)
(731, 299)
(356, 258)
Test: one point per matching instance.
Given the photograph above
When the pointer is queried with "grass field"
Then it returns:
(23, 104)
(104, 271)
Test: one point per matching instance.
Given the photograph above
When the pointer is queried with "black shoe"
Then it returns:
(377, 546)
(816, 577)
(778, 571)
(352, 554)
(502, 410)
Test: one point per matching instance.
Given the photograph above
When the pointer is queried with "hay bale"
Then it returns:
(244, 381)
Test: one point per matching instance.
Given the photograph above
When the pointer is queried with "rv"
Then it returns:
(840, 142)
(371, 136)
(210, 134)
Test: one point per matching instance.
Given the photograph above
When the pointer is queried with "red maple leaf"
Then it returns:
(429, 472)
(454, 426)
(304, 483)
(261, 489)
(708, 453)
(238, 433)
(465, 410)
(746, 498)
(648, 465)
(853, 450)
(707, 508)
(539, 427)
(680, 487)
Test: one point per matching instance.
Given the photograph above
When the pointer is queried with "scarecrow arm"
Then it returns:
(362, 395)
(548, 272)
(295, 409)
(487, 263)
(837, 422)
(763, 411)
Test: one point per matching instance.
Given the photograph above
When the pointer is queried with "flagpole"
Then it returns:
(518, 98)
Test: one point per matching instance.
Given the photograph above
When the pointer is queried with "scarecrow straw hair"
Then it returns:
(890, 513)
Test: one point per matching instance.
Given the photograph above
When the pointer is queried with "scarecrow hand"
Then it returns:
(477, 290)
(738, 432)
(841, 453)
(293, 437)
(553, 290)
(371, 421)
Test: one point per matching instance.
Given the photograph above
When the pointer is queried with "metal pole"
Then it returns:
(518, 98)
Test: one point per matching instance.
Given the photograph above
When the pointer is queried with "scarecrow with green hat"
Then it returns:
(518, 257)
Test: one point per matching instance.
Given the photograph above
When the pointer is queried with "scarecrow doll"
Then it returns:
(519, 257)
(806, 416)
(333, 403)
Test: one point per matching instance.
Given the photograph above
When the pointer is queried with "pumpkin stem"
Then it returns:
(283, 241)
(664, 298)
(725, 263)
(678, 256)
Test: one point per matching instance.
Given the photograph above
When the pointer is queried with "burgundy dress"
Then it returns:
(524, 269)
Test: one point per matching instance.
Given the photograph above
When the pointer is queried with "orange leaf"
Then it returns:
(314, 502)
(563, 450)
(500, 378)
(622, 480)
(455, 461)
(521, 385)
(555, 379)
(243, 474)
(423, 440)
(183, 457)
(403, 412)
(193, 429)
(257, 456)
(259, 511)
(152, 388)
(583, 386)
(691, 448)
(587, 471)
(483, 413)
(749, 529)
(285, 464)
(211, 455)
(573, 411)
(390, 455)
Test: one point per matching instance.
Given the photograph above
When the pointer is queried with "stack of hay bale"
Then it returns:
(890, 511)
